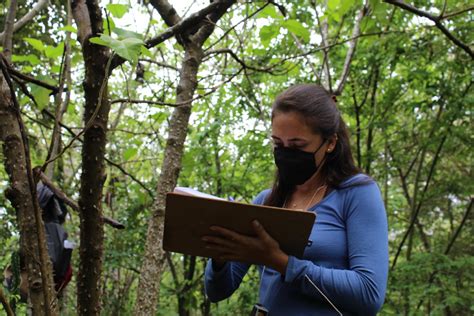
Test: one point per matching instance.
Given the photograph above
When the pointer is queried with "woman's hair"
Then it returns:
(319, 110)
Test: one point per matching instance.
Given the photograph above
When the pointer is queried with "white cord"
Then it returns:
(321, 292)
(260, 285)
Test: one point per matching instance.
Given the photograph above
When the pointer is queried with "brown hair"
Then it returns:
(319, 110)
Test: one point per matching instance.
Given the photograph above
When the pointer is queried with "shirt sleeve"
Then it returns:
(361, 288)
(220, 284)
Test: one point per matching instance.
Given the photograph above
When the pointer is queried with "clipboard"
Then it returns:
(188, 218)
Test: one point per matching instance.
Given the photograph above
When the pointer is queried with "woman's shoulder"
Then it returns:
(260, 198)
(355, 181)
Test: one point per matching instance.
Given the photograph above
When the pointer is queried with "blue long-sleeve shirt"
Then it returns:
(346, 258)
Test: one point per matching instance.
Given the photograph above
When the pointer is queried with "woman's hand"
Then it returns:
(261, 249)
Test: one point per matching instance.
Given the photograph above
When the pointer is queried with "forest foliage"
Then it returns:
(407, 98)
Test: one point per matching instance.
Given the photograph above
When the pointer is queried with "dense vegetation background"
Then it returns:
(194, 99)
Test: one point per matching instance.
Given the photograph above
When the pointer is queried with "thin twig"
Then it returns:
(436, 20)
(91, 120)
(16, 73)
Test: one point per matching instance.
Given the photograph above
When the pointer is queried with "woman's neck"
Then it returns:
(315, 181)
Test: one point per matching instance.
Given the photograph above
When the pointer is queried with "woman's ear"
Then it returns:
(332, 141)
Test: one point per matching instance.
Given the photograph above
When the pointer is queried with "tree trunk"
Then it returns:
(96, 58)
(22, 195)
(152, 267)
(153, 263)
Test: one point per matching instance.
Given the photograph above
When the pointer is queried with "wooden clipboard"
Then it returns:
(188, 218)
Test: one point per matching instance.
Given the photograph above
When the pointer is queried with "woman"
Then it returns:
(345, 265)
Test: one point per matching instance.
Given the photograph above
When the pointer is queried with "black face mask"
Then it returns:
(295, 166)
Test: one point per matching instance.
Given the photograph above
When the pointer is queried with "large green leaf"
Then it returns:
(54, 51)
(296, 28)
(41, 96)
(36, 43)
(268, 32)
(31, 58)
(128, 48)
(117, 10)
(122, 33)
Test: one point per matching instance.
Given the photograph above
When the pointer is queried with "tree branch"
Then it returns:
(420, 202)
(27, 17)
(437, 22)
(458, 230)
(450, 15)
(166, 11)
(159, 64)
(237, 59)
(7, 39)
(68, 201)
(83, 21)
(18, 74)
(178, 28)
(351, 51)
(5, 303)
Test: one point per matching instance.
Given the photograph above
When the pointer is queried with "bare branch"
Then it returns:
(90, 122)
(458, 230)
(7, 39)
(83, 21)
(5, 303)
(60, 106)
(178, 28)
(436, 20)
(27, 17)
(15, 73)
(160, 64)
(455, 13)
(420, 202)
(235, 25)
(183, 103)
(68, 201)
(237, 59)
(166, 11)
(351, 51)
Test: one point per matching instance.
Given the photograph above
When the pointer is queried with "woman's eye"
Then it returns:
(297, 146)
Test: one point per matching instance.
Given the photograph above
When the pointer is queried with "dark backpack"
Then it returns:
(54, 214)
(59, 255)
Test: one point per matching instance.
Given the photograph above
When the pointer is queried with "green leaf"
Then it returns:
(296, 28)
(37, 44)
(41, 96)
(129, 153)
(122, 33)
(128, 48)
(108, 24)
(31, 58)
(269, 11)
(68, 28)
(268, 32)
(117, 10)
(337, 8)
(145, 52)
(54, 52)
(98, 41)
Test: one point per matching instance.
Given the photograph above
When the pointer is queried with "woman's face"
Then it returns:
(290, 130)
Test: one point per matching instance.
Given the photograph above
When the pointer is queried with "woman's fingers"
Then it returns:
(260, 231)
(227, 233)
(214, 240)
